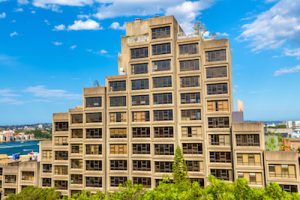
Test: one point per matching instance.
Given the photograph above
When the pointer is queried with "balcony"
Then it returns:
(137, 39)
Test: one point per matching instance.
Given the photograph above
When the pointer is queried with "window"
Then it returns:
(141, 84)
(161, 65)
(46, 182)
(162, 98)
(189, 65)
(220, 157)
(8, 191)
(289, 188)
(247, 140)
(217, 105)
(216, 55)
(252, 178)
(93, 133)
(116, 181)
(118, 133)
(61, 126)
(161, 32)
(164, 149)
(118, 165)
(76, 164)
(223, 174)
(61, 140)
(191, 131)
(140, 116)
(118, 148)
(159, 49)
(250, 159)
(191, 114)
(93, 165)
(141, 165)
(200, 181)
(117, 101)
(163, 132)
(219, 88)
(190, 98)
(47, 168)
(77, 148)
(161, 82)
(192, 148)
(140, 100)
(163, 166)
(93, 149)
(163, 115)
(93, 117)
(141, 132)
(139, 68)
(190, 81)
(282, 171)
(218, 122)
(145, 181)
(219, 140)
(116, 86)
(77, 133)
(93, 181)
(91, 102)
(61, 155)
(216, 72)
(61, 170)
(139, 53)
(10, 179)
(188, 49)
(77, 118)
(140, 148)
(61, 185)
(76, 178)
(46, 154)
(117, 117)
(194, 166)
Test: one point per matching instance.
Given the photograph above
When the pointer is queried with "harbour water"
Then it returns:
(23, 148)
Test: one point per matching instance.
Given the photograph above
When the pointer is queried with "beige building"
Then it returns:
(172, 89)
(16, 175)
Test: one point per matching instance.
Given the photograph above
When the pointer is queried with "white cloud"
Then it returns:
(19, 10)
(185, 11)
(84, 25)
(117, 26)
(14, 34)
(11, 101)
(42, 92)
(73, 47)
(287, 70)
(8, 93)
(275, 27)
(292, 52)
(57, 43)
(46, 21)
(103, 51)
(23, 1)
(2, 15)
(47, 3)
(60, 27)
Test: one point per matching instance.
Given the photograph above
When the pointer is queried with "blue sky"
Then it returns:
(51, 49)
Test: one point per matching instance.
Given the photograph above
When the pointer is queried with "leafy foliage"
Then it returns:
(180, 188)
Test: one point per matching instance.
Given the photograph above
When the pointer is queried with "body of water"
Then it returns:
(23, 148)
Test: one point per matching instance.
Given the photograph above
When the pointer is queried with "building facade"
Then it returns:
(172, 89)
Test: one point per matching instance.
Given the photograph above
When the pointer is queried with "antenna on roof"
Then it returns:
(96, 83)
(199, 28)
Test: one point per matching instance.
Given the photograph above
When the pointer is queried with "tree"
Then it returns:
(180, 174)
(34, 193)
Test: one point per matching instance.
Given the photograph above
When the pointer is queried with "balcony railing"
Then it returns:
(139, 38)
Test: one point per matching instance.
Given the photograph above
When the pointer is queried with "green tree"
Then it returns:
(34, 193)
(180, 174)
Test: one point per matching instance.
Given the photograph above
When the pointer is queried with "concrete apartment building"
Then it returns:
(172, 89)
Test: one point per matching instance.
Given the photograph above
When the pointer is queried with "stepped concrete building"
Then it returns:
(172, 89)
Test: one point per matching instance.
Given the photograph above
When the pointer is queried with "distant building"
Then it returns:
(293, 124)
